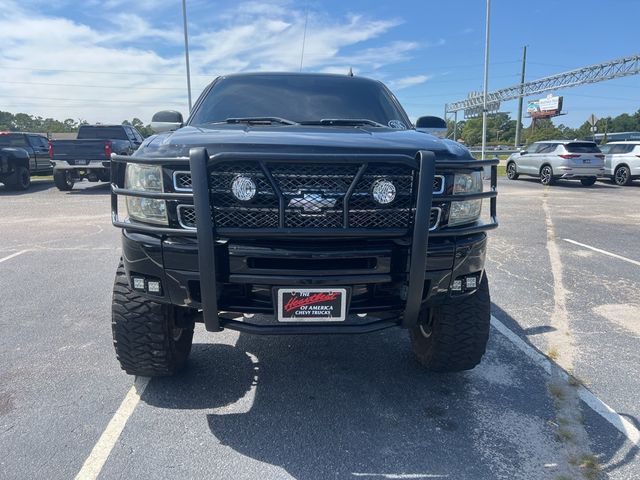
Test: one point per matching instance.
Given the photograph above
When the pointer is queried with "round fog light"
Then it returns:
(243, 188)
(383, 191)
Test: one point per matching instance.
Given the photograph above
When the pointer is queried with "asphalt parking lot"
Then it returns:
(564, 271)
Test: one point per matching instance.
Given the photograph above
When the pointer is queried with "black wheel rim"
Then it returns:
(622, 176)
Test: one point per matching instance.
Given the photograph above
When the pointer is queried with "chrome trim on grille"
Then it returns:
(176, 187)
(439, 210)
(179, 211)
(441, 177)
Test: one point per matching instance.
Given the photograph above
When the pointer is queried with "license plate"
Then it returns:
(312, 304)
(81, 162)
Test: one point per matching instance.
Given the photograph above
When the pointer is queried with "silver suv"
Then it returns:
(621, 161)
(558, 159)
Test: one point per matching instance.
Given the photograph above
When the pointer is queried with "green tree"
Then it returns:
(145, 131)
(472, 131)
(542, 129)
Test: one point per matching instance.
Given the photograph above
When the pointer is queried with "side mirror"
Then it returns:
(166, 121)
(433, 125)
(523, 152)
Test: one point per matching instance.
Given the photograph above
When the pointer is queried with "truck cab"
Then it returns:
(21, 156)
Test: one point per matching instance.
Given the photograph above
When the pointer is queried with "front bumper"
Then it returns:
(377, 271)
(218, 271)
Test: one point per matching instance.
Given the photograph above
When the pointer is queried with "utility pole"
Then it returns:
(524, 64)
(486, 80)
(455, 126)
(186, 49)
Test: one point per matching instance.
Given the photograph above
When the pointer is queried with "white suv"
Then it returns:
(558, 159)
(621, 161)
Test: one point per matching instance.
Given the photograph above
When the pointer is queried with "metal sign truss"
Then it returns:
(621, 67)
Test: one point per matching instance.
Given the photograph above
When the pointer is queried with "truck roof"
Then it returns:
(565, 142)
(23, 133)
(299, 74)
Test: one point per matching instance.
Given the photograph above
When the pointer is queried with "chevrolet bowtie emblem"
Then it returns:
(312, 202)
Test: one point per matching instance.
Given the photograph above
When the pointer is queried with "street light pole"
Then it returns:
(486, 80)
(519, 121)
(186, 49)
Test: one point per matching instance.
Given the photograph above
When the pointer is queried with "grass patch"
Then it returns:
(575, 381)
(557, 391)
(564, 435)
(589, 466)
(502, 170)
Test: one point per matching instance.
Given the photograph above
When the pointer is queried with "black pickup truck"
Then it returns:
(89, 155)
(23, 155)
(299, 204)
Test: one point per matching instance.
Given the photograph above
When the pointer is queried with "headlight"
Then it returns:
(469, 210)
(145, 178)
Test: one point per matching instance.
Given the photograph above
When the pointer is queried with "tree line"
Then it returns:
(22, 122)
(501, 129)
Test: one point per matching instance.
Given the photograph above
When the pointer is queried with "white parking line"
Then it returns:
(604, 252)
(13, 255)
(605, 411)
(98, 456)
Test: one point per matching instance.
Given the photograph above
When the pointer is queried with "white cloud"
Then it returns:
(410, 81)
(132, 65)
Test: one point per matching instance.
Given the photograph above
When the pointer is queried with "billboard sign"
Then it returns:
(550, 106)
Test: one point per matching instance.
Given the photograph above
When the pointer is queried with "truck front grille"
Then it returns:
(315, 195)
(187, 218)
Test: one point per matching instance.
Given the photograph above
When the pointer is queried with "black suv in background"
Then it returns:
(23, 155)
(299, 204)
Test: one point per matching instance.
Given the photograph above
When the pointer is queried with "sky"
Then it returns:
(111, 60)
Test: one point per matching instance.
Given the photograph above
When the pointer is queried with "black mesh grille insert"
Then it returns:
(182, 181)
(187, 217)
(314, 195)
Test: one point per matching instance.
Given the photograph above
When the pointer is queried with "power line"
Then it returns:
(304, 35)
(110, 72)
(121, 87)
(92, 100)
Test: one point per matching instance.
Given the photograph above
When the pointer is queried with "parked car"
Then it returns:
(23, 155)
(622, 161)
(558, 159)
(89, 155)
(310, 199)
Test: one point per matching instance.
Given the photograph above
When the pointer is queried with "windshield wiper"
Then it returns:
(261, 120)
(345, 122)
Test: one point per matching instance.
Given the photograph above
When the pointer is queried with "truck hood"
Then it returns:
(299, 139)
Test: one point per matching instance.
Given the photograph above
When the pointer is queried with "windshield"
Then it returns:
(582, 147)
(299, 98)
(16, 140)
(106, 133)
(605, 148)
